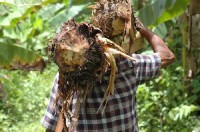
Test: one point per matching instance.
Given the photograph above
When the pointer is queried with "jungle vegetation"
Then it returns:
(170, 102)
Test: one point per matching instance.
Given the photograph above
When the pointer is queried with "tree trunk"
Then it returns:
(193, 46)
(191, 49)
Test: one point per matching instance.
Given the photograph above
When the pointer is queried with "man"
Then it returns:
(120, 112)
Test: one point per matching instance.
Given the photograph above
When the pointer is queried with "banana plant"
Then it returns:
(160, 11)
(25, 28)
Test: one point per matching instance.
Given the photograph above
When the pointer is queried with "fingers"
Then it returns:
(138, 24)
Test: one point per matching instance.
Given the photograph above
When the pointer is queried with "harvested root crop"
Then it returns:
(83, 55)
(116, 19)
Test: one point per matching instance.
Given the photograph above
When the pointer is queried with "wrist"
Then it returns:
(147, 33)
(143, 31)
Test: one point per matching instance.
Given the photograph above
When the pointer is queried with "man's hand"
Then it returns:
(138, 25)
(157, 44)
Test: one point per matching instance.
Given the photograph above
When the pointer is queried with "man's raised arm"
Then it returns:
(157, 44)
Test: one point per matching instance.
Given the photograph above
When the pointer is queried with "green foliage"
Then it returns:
(173, 10)
(66, 14)
(25, 29)
(30, 24)
(27, 25)
(25, 97)
(182, 111)
(164, 106)
(16, 54)
(160, 11)
(22, 2)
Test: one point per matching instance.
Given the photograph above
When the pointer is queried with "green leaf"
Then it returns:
(3, 10)
(21, 35)
(178, 8)
(182, 111)
(38, 24)
(66, 14)
(22, 31)
(15, 57)
(169, 4)
(49, 11)
(161, 11)
(160, 30)
(14, 13)
(151, 12)
(16, 10)
(78, 2)
(75, 10)
(20, 3)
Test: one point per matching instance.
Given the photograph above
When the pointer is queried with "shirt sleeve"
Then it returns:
(50, 117)
(147, 66)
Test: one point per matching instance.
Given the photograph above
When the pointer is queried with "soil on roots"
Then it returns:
(78, 56)
(81, 60)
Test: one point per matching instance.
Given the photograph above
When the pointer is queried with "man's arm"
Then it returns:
(157, 44)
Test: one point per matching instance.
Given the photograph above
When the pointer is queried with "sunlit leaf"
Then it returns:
(182, 111)
(49, 11)
(3, 10)
(38, 24)
(21, 32)
(21, 35)
(19, 9)
(14, 13)
(21, 3)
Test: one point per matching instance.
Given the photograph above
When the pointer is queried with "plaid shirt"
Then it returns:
(120, 112)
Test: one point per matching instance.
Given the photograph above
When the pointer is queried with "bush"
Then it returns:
(164, 106)
(25, 99)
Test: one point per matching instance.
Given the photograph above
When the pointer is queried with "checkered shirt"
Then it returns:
(120, 112)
